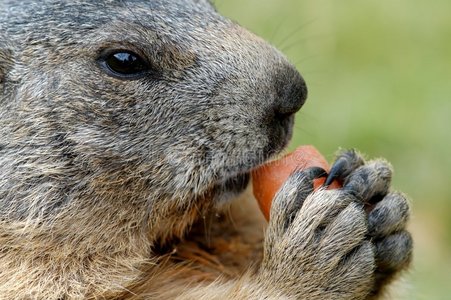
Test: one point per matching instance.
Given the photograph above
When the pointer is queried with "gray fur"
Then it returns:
(97, 172)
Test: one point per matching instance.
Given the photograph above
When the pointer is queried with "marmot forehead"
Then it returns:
(57, 24)
(54, 14)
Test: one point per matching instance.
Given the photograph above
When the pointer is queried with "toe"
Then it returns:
(344, 233)
(370, 182)
(394, 252)
(390, 215)
(289, 200)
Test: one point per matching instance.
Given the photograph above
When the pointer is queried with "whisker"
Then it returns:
(294, 32)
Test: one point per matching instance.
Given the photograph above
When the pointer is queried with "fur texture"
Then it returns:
(116, 188)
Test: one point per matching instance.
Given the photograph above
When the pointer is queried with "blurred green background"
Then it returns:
(379, 77)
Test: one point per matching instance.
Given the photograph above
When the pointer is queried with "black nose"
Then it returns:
(291, 92)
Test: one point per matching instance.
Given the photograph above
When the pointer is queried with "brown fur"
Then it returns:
(116, 187)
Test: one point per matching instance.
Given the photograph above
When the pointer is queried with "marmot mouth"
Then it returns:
(237, 183)
(232, 187)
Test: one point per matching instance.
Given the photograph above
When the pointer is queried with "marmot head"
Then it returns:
(166, 93)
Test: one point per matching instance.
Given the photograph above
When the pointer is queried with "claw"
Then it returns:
(346, 162)
(315, 173)
(309, 174)
(336, 171)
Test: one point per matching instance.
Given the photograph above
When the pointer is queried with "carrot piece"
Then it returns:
(269, 178)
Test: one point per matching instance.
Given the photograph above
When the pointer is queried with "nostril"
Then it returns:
(291, 92)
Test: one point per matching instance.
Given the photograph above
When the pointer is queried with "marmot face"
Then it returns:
(166, 91)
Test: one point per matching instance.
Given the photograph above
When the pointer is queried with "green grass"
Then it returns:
(379, 77)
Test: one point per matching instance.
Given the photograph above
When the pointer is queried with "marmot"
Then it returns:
(126, 129)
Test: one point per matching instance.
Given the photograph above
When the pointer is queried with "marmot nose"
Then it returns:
(291, 92)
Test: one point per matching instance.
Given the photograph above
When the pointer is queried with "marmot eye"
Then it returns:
(124, 64)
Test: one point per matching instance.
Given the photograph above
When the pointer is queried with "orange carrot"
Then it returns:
(269, 178)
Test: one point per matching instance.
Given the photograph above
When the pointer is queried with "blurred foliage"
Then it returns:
(379, 77)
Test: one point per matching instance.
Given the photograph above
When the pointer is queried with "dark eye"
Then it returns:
(124, 64)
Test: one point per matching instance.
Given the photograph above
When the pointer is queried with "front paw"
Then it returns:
(388, 213)
(316, 244)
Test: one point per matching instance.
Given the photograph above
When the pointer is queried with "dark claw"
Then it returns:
(343, 166)
(336, 171)
(314, 173)
(309, 174)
